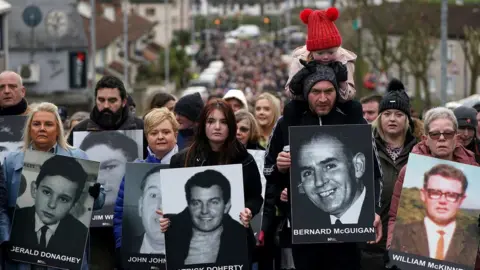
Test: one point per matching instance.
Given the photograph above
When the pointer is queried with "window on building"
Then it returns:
(450, 86)
(150, 12)
(101, 58)
(432, 84)
(450, 56)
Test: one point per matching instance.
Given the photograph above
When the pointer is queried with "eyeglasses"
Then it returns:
(435, 135)
(244, 129)
(436, 194)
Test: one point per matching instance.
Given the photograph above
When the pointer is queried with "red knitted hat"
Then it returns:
(322, 32)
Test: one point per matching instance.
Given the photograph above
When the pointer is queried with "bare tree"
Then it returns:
(418, 49)
(471, 51)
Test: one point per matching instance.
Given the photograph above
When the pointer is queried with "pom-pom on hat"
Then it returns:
(322, 32)
(395, 98)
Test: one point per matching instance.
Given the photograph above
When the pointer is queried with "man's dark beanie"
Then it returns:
(190, 106)
(395, 98)
(466, 117)
(319, 73)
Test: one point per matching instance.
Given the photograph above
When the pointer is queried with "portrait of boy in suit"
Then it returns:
(48, 224)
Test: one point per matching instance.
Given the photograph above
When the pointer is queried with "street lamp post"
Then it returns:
(443, 49)
(93, 45)
(167, 46)
(125, 43)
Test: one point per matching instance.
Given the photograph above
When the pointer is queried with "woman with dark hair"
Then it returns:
(160, 100)
(216, 144)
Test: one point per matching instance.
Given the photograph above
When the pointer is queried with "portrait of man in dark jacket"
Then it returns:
(330, 175)
(204, 232)
(48, 224)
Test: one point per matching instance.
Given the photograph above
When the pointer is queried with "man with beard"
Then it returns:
(467, 127)
(110, 113)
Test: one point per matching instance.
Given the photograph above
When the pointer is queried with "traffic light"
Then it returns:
(217, 22)
(266, 20)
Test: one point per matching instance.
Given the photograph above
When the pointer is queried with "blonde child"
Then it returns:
(324, 46)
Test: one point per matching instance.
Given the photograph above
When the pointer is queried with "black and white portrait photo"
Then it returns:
(259, 156)
(113, 149)
(331, 182)
(11, 132)
(203, 205)
(50, 224)
(143, 243)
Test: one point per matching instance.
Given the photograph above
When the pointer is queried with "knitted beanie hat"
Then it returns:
(395, 98)
(466, 117)
(317, 74)
(322, 32)
(190, 106)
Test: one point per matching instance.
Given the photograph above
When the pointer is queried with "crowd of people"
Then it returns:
(256, 99)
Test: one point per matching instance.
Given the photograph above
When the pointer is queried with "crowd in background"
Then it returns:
(250, 97)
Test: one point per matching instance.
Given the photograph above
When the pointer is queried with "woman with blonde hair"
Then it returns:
(248, 132)
(394, 140)
(161, 130)
(43, 132)
(267, 112)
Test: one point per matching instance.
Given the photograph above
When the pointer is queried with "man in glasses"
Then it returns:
(438, 236)
(443, 193)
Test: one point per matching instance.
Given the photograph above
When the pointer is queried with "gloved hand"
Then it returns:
(94, 190)
(340, 70)
(296, 83)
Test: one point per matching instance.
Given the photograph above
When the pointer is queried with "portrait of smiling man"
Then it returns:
(204, 232)
(48, 224)
(331, 178)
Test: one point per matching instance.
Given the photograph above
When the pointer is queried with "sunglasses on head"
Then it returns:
(435, 135)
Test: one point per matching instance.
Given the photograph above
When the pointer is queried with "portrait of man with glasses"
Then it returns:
(439, 235)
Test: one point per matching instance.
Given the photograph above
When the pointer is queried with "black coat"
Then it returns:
(69, 237)
(298, 113)
(179, 235)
